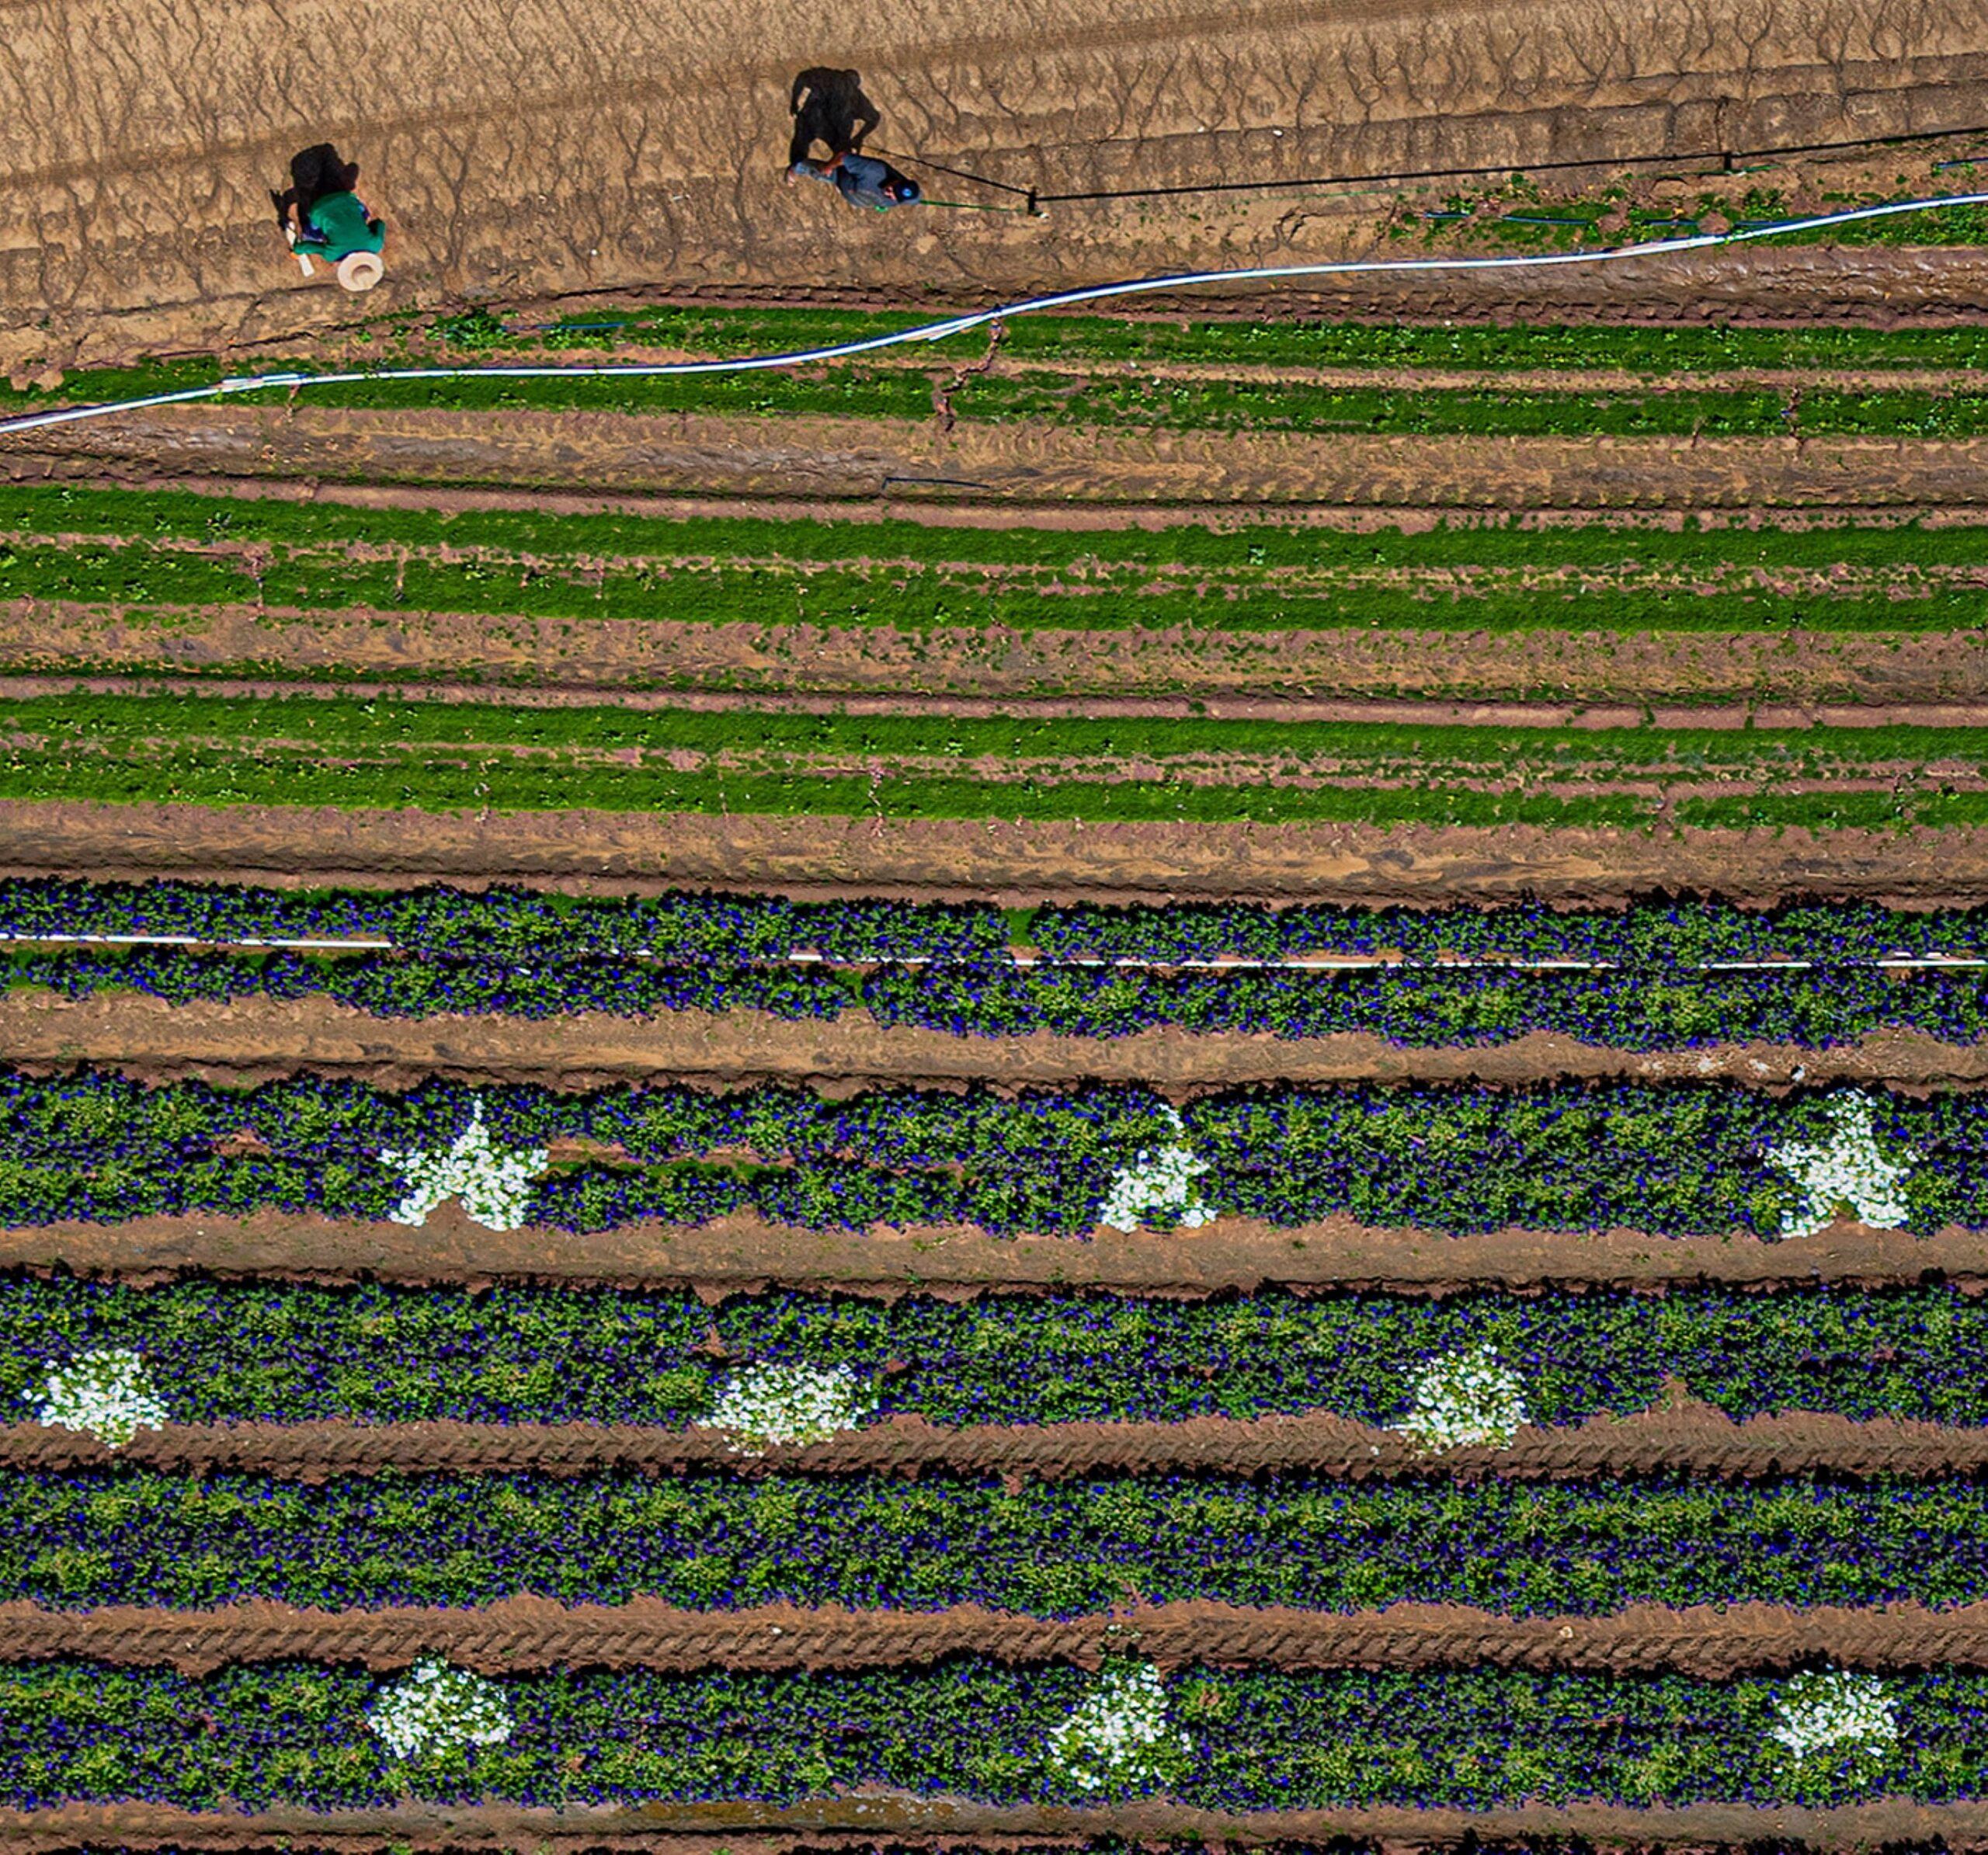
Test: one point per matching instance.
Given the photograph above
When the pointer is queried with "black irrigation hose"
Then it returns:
(1725, 157)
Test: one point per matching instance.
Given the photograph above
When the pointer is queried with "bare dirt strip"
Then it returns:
(811, 457)
(1682, 1434)
(490, 654)
(1018, 862)
(744, 1255)
(854, 1821)
(517, 1635)
(263, 1037)
(538, 149)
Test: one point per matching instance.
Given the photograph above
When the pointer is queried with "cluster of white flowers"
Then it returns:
(106, 1391)
(1835, 1708)
(1463, 1398)
(437, 1708)
(1118, 1734)
(1846, 1168)
(1162, 1181)
(493, 1186)
(768, 1404)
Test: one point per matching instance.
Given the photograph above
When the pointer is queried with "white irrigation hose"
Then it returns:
(960, 325)
(1323, 962)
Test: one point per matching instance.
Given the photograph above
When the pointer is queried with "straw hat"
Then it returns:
(361, 270)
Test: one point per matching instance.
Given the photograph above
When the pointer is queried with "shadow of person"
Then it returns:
(315, 174)
(834, 111)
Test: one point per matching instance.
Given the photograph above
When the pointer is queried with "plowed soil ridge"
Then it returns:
(520, 1634)
(264, 1037)
(745, 1255)
(809, 455)
(1016, 862)
(1683, 1435)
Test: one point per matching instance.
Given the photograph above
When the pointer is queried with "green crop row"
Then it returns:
(1691, 552)
(337, 751)
(1190, 404)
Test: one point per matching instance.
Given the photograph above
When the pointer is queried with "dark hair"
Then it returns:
(376, 225)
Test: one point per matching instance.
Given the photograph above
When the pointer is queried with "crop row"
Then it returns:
(1052, 340)
(1286, 342)
(231, 1351)
(1673, 1160)
(336, 750)
(1621, 1009)
(1058, 1549)
(1081, 593)
(550, 929)
(298, 1734)
(495, 541)
(867, 391)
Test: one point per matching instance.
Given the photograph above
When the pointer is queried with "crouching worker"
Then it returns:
(861, 179)
(331, 222)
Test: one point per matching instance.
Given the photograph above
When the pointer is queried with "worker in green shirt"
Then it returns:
(332, 220)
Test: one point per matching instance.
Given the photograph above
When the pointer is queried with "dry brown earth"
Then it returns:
(1018, 862)
(527, 147)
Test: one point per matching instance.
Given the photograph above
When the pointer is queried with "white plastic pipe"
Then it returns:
(960, 325)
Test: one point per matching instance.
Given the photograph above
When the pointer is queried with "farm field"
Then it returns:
(1211, 1072)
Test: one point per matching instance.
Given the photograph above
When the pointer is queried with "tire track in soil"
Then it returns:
(1682, 1434)
(744, 1255)
(852, 1822)
(518, 1635)
(264, 1039)
(1016, 862)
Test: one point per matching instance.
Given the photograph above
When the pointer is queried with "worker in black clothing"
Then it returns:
(835, 113)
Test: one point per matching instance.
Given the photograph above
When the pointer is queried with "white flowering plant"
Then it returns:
(1837, 1712)
(1118, 1734)
(1462, 1398)
(1159, 1180)
(438, 1708)
(764, 1404)
(106, 1392)
(493, 1187)
(1842, 1170)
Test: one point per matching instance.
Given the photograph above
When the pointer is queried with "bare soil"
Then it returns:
(412, 651)
(863, 459)
(538, 150)
(1018, 862)
(743, 1255)
(520, 1634)
(1682, 1435)
(259, 1038)
(854, 1820)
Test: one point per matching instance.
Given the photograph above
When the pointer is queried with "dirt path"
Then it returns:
(1682, 1435)
(812, 456)
(530, 147)
(1016, 862)
(521, 1635)
(743, 1255)
(854, 1821)
(1000, 663)
(267, 1037)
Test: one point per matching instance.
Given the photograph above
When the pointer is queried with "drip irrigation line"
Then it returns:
(939, 167)
(980, 318)
(1726, 157)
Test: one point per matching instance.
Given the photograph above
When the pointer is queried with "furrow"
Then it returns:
(1683, 1435)
(517, 1635)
